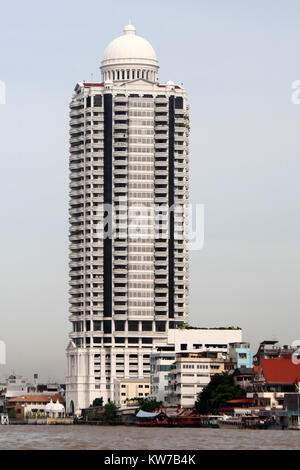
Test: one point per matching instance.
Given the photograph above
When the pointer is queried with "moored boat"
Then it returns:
(182, 419)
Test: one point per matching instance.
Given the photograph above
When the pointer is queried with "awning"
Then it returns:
(146, 414)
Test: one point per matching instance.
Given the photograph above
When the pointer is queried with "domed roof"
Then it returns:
(54, 407)
(129, 47)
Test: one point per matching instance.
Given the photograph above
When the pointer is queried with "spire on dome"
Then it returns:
(129, 29)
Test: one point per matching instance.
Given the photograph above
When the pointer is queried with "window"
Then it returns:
(119, 340)
(119, 325)
(146, 326)
(97, 325)
(133, 325)
(165, 368)
(160, 326)
(133, 340)
(147, 340)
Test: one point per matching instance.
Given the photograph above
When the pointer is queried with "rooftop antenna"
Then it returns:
(92, 77)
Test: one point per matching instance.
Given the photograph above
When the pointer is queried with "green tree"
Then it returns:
(97, 402)
(110, 413)
(215, 395)
(12, 413)
(149, 405)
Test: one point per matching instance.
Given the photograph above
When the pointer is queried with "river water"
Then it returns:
(133, 438)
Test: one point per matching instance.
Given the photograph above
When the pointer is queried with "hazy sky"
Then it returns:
(237, 61)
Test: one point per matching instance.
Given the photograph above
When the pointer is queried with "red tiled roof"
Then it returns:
(240, 400)
(280, 370)
(93, 84)
(163, 86)
(36, 398)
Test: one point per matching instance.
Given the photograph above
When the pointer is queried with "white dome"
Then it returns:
(54, 407)
(130, 46)
(129, 52)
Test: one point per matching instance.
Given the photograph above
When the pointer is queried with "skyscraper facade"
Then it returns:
(128, 219)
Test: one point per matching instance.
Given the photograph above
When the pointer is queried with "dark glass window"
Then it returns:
(146, 326)
(119, 340)
(97, 100)
(119, 325)
(133, 340)
(147, 340)
(97, 325)
(133, 325)
(160, 326)
(179, 102)
(107, 326)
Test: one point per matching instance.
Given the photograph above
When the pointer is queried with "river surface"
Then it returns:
(133, 438)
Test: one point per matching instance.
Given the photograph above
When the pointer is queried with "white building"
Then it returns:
(129, 151)
(17, 385)
(190, 374)
(190, 340)
(204, 339)
(160, 366)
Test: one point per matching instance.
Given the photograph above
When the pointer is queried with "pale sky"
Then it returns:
(237, 61)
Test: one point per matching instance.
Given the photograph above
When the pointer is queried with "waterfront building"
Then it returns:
(160, 367)
(190, 340)
(190, 374)
(274, 378)
(127, 390)
(33, 405)
(243, 377)
(128, 153)
(241, 354)
(292, 406)
(271, 350)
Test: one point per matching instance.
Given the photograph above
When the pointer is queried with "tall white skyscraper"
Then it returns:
(128, 235)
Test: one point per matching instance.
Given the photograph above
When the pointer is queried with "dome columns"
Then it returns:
(126, 74)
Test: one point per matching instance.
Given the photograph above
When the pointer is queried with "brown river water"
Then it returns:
(134, 438)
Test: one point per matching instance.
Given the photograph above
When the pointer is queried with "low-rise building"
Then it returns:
(160, 366)
(31, 405)
(189, 339)
(241, 354)
(128, 389)
(203, 339)
(292, 406)
(190, 374)
(17, 385)
(271, 350)
(275, 377)
(244, 377)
